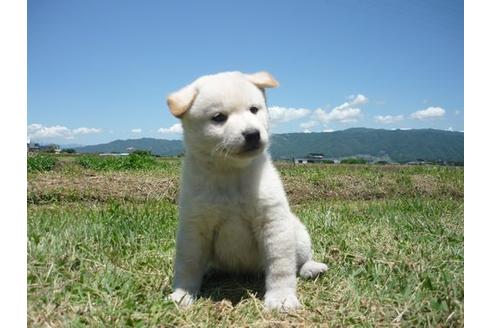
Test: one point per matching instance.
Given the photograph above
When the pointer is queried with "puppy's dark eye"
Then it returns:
(253, 109)
(219, 118)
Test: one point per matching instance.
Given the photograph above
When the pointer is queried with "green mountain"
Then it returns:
(160, 147)
(394, 145)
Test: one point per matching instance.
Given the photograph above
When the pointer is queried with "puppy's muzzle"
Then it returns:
(252, 140)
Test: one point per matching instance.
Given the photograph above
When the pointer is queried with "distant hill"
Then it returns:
(160, 147)
(397, 145)
(67, 146)
(393, 145)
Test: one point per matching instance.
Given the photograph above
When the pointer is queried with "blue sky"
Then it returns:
(100, 70)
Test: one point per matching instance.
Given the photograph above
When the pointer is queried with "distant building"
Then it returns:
(418, 162)
(313, 158)
(51, 148)
(114, 154)
(33, 147)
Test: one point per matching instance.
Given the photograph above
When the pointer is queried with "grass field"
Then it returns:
(101, 247)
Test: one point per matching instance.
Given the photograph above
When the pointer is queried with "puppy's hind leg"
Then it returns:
(312, 269)
(308, 268)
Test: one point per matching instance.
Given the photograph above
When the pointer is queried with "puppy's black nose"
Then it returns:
(252, 137)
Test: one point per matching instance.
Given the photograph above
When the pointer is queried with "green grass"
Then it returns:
(134, 161)
(353, 161)
(393, 242)
(40, 163)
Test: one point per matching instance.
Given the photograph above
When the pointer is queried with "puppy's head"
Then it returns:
(224, 116)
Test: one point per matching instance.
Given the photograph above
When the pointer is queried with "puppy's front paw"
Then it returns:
(282, 300)
(181, 297)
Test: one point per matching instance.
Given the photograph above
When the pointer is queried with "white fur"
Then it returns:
(233, 210)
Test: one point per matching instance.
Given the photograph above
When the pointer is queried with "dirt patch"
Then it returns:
(353, 187)
(425, 184)
(102, 187)
(58, 186)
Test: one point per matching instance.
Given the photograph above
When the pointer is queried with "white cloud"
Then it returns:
(388, 119)
(176, 128)
(85, 130)
(328, 130)
(308, 125)
(306, 131)
(450, 128)
(346, 112)
(429, 113)
(343, 115)
(283, 114)
(136, 130)
(358, 100)
(39, 131)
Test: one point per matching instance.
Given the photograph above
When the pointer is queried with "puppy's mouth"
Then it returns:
(251, 149)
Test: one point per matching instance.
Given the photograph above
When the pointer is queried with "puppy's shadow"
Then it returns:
(220, 286)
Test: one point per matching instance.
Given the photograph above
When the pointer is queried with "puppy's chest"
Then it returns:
(232, 222)
(230, 206)
(223, 203)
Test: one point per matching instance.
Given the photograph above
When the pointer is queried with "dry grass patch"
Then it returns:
(366, 187)
(302, 184)
(102, 186)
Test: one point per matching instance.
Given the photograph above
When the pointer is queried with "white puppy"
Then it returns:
(233, 210)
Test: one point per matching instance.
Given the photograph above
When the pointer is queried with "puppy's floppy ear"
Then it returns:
(262, 80)
(180, 101)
